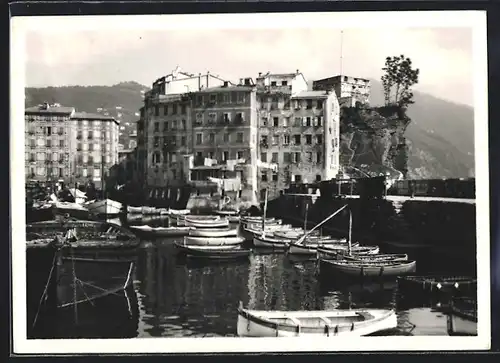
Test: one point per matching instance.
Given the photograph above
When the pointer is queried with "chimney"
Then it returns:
(298, 71)
(226, 84)
(247, 82)
(260, 74)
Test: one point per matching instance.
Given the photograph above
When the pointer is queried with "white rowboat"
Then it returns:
(213, 241)
(106, 206)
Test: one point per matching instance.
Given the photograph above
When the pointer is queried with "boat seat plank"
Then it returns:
(326, 320)
(366, 315)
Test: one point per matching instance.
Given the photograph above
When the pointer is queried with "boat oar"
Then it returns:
(303, 238)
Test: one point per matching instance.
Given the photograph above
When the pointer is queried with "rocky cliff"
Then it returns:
(372, 140)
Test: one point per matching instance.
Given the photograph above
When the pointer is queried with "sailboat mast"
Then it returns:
(265, 213)
(305, 217)
(350, 232)
(341, 49)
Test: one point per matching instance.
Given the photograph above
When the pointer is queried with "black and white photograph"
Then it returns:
(250, 182)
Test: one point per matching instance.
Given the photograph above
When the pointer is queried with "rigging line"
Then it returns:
(81, 286)
(45, 290)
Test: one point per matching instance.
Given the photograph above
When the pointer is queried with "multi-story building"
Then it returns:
(242, 138)
(69, 146)
(47, 134)
(298, 133)
(349, 90)
(94, 146)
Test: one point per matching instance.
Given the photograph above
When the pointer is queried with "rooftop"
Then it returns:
(49, 109)
(339, 76)
(229, 88)
(92, 116)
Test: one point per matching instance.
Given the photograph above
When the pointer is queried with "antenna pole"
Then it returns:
(341, 49)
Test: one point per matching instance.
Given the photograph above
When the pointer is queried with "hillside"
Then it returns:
(440, 136)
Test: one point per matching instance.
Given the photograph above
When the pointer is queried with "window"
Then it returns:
(309, 104)
(156, 158)
(239, 155)
(263, 121)
(183, 140)
(48, 143)
(286, 140)
(226, 138)
(274, 103)
(320, 119)
(286, 121)
(61, 172)
(298, 178)
(284, 83)
(165, 126)
(239, 137)
(199, 139)
(49, 130)
(298, 121)
(273, 84)
(157, 111)
(212, 138)
(61, 131)
(156, 141)
(213, 98)
(199, 155)
(32, 157)
(173, 157)
(263, 157)
(318, 157)
(183, 123)
(296, 104)
(318, 177)
(225, 156)
(199, 119)
(241, 97)
(287, 157)
(174, 109)
(319, 104)
(275, 139)
(199, 100)
(276, 121)
(40, 171)
(308, 139)
(309, 157)
(91, 147)
(174, 174)
(274, 158)
(211, 154)
(240, 118)
(263, 140)
(212, 116)
(174, 125)
(275, 176)
(297, 158)
(91, 135)
(319, 139)
(165, 110)
(296, 139)
(156, 127)
(263, 176)
(84, 172)
(226, 97)
(308, 122)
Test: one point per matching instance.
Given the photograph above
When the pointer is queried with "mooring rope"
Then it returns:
(45, 289)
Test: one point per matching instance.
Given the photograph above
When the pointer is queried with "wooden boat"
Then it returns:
(206, 223)
(158, 232)
(377, 257)
(269, 241)
(462, 317)
(339, 251)
(365, 268)
(178, 212)
(311, 248)
(435, 284)
(226, 213)
(359, 322)
(69, 209)
(213, 232)
(213, 252)
(233, 219)
(213, 241)
(104, 207)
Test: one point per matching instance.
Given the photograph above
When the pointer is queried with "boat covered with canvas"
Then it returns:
(323, 323)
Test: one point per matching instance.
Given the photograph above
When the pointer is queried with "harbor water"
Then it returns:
(175, 297)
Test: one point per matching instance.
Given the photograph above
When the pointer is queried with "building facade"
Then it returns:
(47, 148)
(68, 146)
(240, 139)
(349, 90)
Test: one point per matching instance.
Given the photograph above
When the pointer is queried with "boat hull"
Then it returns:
(212, 232)
(105, 207)
(213, 241)
(214, 253)
(220, 223)
(160, 232)
(384, 257)
(364, 270)
(310, 249)
(270, 242)
(252, 323)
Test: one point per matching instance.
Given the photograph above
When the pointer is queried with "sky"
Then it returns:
(93, 56)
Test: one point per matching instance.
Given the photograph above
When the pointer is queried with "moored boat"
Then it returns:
(146, 231)
(213, 241)
(225, 213)
(341, 250)
(462, 317)
(311, 248)
(134, 210)
(73, 210)
(269, 241)
(178, 212)
(213, 252)
(213, 232)
(365, 268)
(360, 322)
(377, 257)
(216, 222)
(104, 207)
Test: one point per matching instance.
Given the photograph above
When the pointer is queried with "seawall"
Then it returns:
(447, 229)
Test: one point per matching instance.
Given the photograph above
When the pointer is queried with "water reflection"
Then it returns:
(181, 297)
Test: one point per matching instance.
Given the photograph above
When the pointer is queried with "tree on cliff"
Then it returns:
(399, 77)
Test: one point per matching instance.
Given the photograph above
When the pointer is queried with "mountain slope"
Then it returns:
(440, 135)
